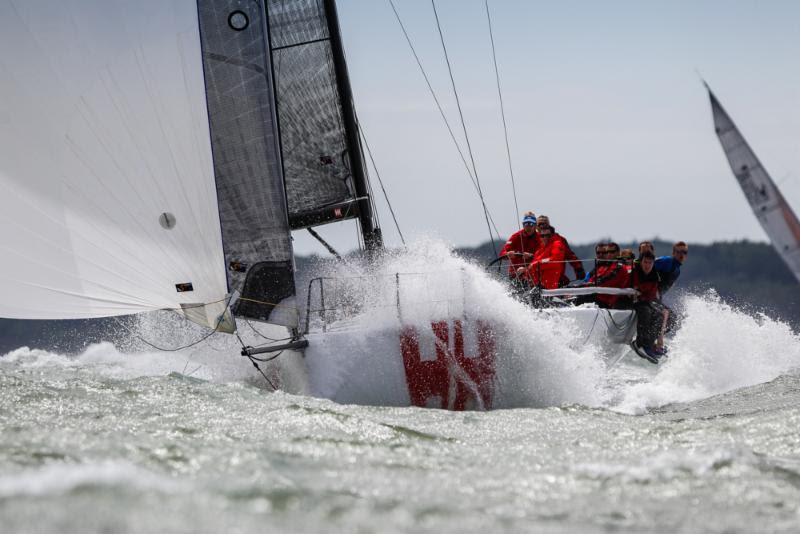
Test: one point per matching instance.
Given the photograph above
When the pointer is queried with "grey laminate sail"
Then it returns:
(317, 161)
(773, 212)
(247, 167)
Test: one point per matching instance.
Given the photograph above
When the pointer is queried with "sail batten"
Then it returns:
(767, 202)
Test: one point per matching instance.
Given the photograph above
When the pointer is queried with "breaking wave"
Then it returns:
(718, 348)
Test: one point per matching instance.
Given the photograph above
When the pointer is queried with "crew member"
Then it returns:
(547, 268)
(647, 245)
(610, 272)
(543, 221)
(651, 315)
(670, 266)
(520, 247)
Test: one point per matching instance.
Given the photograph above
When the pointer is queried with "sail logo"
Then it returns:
(443, 375)
(757, 196)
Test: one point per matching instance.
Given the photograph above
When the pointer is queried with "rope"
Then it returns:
(441, 110)
(380, 181)
(176, 349)
(591, 331)
(502, 111)
(464, 126)
(253, 328)
(255, 363)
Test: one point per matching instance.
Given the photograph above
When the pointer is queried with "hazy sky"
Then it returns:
(610, 128)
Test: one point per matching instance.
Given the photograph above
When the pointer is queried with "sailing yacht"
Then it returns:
(156, 155)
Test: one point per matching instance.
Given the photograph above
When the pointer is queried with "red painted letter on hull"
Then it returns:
(451, 380)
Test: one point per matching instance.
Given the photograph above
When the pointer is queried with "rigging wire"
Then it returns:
(254, 361)
(502, 110)
(463, 125)
(176, 349)
(440, 108)
(380, 181)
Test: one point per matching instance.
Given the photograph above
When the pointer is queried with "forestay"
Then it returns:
(773, 212)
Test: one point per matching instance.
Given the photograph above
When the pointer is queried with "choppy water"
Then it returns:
(107, 441)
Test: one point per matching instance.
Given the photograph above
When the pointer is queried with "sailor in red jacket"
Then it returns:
(548, 265)
(543, 221)
(521, 246)
(610, 272)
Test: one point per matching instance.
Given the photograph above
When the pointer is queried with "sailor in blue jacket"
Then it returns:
(669, 267)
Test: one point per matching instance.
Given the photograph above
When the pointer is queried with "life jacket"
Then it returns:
(609, 274)
(548, 265)
(647, 284)
(519, 243)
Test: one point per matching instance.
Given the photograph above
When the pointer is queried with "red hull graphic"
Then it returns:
(452, 380)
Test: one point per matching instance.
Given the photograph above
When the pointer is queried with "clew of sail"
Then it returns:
(768, 204)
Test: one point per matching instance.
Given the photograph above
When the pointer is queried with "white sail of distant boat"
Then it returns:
(768, 204)
(141, 163)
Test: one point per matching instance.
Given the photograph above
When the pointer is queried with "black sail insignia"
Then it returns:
(245, 146)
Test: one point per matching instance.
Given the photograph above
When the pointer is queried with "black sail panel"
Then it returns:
(247, 166)
(316, 157)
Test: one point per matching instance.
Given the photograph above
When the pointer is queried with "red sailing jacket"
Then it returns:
(571, 258)
(548, 265)
(609, 274)
(647, 284)
(519, 242)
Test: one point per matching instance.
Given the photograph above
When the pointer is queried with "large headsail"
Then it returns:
(107, 192)
(773, 212)
(110, 199)
(322, 159)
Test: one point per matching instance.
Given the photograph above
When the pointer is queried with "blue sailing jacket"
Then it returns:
(670, 270)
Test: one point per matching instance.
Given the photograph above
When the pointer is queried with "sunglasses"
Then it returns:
(528, 225)
(682, 252)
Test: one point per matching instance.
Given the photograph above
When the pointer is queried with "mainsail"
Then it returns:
(322, 159)
(770, 208)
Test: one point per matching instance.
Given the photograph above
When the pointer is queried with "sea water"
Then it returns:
(123, 439)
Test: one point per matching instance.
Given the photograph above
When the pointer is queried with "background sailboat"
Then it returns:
(768, 204)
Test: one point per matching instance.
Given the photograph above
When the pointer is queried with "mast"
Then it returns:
(373, 239)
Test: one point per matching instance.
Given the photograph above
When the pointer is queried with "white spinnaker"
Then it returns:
(770, 208)
(104, 128)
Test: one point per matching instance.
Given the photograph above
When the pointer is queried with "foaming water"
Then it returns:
(536, 363)
(717, 349)
(543, 359)
(125, 438)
